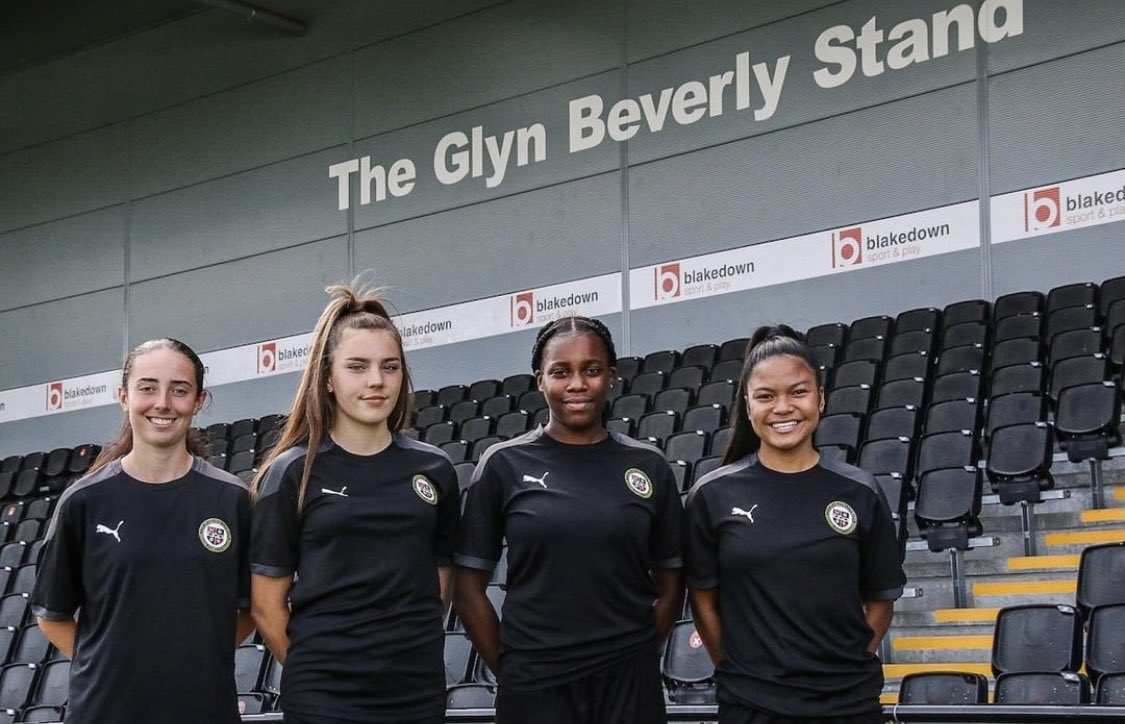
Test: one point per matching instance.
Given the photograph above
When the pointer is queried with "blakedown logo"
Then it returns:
(1049, 208)
(60, 397)
(847, 247)
(667, 281)
(1041, 209)
(529, 307)
(284, 358)
(850, 247)
(522, 309)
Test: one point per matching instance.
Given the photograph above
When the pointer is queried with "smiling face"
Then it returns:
(365, 378)
(161, 398)
(783, 403)
(575, 379)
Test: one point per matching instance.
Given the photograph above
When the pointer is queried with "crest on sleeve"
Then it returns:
(638, 482)
(214, 534)
(841, 517)
(425, 489)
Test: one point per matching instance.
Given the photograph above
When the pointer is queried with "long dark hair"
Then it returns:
(122, 445)
(314, 408)
(766, 342)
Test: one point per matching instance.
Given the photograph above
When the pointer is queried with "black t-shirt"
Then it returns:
(794, 556)
(156, 573)
(365, 632)
(584, 526)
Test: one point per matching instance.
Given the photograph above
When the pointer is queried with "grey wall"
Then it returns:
(175, 181)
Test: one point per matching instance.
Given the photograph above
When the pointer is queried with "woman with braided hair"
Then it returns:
(353, 532)
(592, 521)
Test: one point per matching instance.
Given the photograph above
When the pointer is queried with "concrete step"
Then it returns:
(942, 648)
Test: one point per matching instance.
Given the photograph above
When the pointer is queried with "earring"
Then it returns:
(330, 388)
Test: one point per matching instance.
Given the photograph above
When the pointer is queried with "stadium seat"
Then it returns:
(1117, 347)
(451, 394)
(1024, 326)
(532, 401)
(686, 666)
(920, 319)
(271, 680)
(664, 360)
(57, 462)
(689, 377)
(1014, 408)
(719, 440)
(631, 406)
(1064, 320)
(700, 355)
(733, 349)
(659, 425)
(855, 400)
(427, 416)
(423, 398)
(475, 428)
(241, 461)
(1077, 371)
(257, 703)
(31, 646)
(15, 685)
(249, 664)
(707, 418)
(918, 341)
(869, 348)
(833, 333)
(1082, 342)
(955, 449)
(463, 410)
(516, 385)
(943, 688)
(41, 714)
(947, 507)
(952, 415)
(542, 415)
(457, 450)
(892, 422)
(1018, 303)
(26, 482)
(825, 355)
(438, 433)
(458, 655)
(843, 430)
(1111, 291)
(704, 466)
(1105, 643)
(470, 696)
(1019, 462)
(963, 358)
(970, 310)
(497, 405)
(859, 372)
(1059, 689)
(13, 609)
(1015, 352)
(1037, 638)
(874, 326)
(1111, 690)
(901, 393)
(686, 446)
(717, 392)
(513, 424)
(11, 463)
(481, 445)
(243, 443)
(677, 400)
(628, 367)
(1101, 577)
(481, 390)
(1072, 295)
(464, 472)
(1088, 418)
(12, 555)
(730, 369)
(956, 386)
(648, 383)
(7, 481)
(626, 426)
(1017, 378)
(907, 365)
(965, 333)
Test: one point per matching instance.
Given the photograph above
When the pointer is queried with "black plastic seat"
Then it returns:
(717, 392)
(15, 685)
(628, 367)
(245, 426)
(1064, 320)
(1072, 295)
(497, 405)
(1111, 690)
(451, 394)
(688, 377)
(902, 393)
(481, 445)
(82, 457)
(730, 369)
(1017, 303)
(481, 390)
(1037, 638)
(943, 688)
(475, 428)
(458, 655)
(457, 450)
(1101, 577)
(470, 696)
(700, 355)
(842, 430)
(922, 318)
(1083, 342)
(1117, 347)
(423, 398)
(1077, 371)
(1023, 326)
(1044, 689)
(463, 410)
(855, 400)
(859, 372)
(963, 358)
(874, 326)
(1111, 291)
(919, 341)
(955, 449)
(685, 664)
(704, 466)
(869, 348)
(664, 360)
(626, 426)
(513, 424)
(57, 462)
(825, 355)
(631, 406)
(892, 422)
(659, 425)
(1019, 462)
(719, 441)
(1105, 643)
(648, 383)
(1017, 378)
(956, 385)
(733, 349)
(427, 416)
(677, 400)
(887, 456)
(687, 446)
(1015, 408)
(706, 418)
(438, 433)
(906, 365)
(1016, 352)
(963, 334)
(952, 415)
(516, 385)
(532, 401)
(249, 665)
(833, 333)
(947, 507)
(970, 310)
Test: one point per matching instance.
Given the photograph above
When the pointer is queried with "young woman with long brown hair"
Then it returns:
(149, 550)
(353, 533)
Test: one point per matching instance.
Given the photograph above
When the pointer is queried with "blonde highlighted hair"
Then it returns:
(314, 409)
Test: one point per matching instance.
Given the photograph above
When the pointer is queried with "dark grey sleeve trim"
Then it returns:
(676, 562)
(52, 615)
(271, 571)
(244, 604)
(479, 564)
(890, 594)
(710, 582)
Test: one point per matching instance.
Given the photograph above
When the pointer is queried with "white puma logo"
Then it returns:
(110, 531)
(748, 513)
(532, 479)
(342, 492)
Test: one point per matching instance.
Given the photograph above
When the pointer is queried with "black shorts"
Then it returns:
(628, 692)
(737, 714)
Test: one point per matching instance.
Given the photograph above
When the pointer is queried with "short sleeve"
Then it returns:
(881, 574)
(701, 547)
(275, 521)
(58, 591)
(481, 535)
(448, 513)
(666, 546)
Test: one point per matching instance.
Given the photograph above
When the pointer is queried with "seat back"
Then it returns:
(1101, 576)
(943, 688)
(1105, 644)
(1037, 637)
(1044, 689)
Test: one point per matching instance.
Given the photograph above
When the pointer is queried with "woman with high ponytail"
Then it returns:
(145, 560)
(353, 532)
(792, 562)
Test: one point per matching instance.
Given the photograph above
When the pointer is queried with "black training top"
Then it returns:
(365, 632)
(157, 573)
(584, 525)
(794, 557)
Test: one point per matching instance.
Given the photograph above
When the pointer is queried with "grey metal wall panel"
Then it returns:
(1055, 29)
(242, 301)
(419, 143)
(563, 232)
(80, 173)
(1057, 120)
(96, 425)
(500, 52)
(61, 339)
(73, 256)
(1093, 254)
(87, 91)
(271, 120)
(903, 156)
(660, 26)
(263, 210)
(801, 100)
(889, 289)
